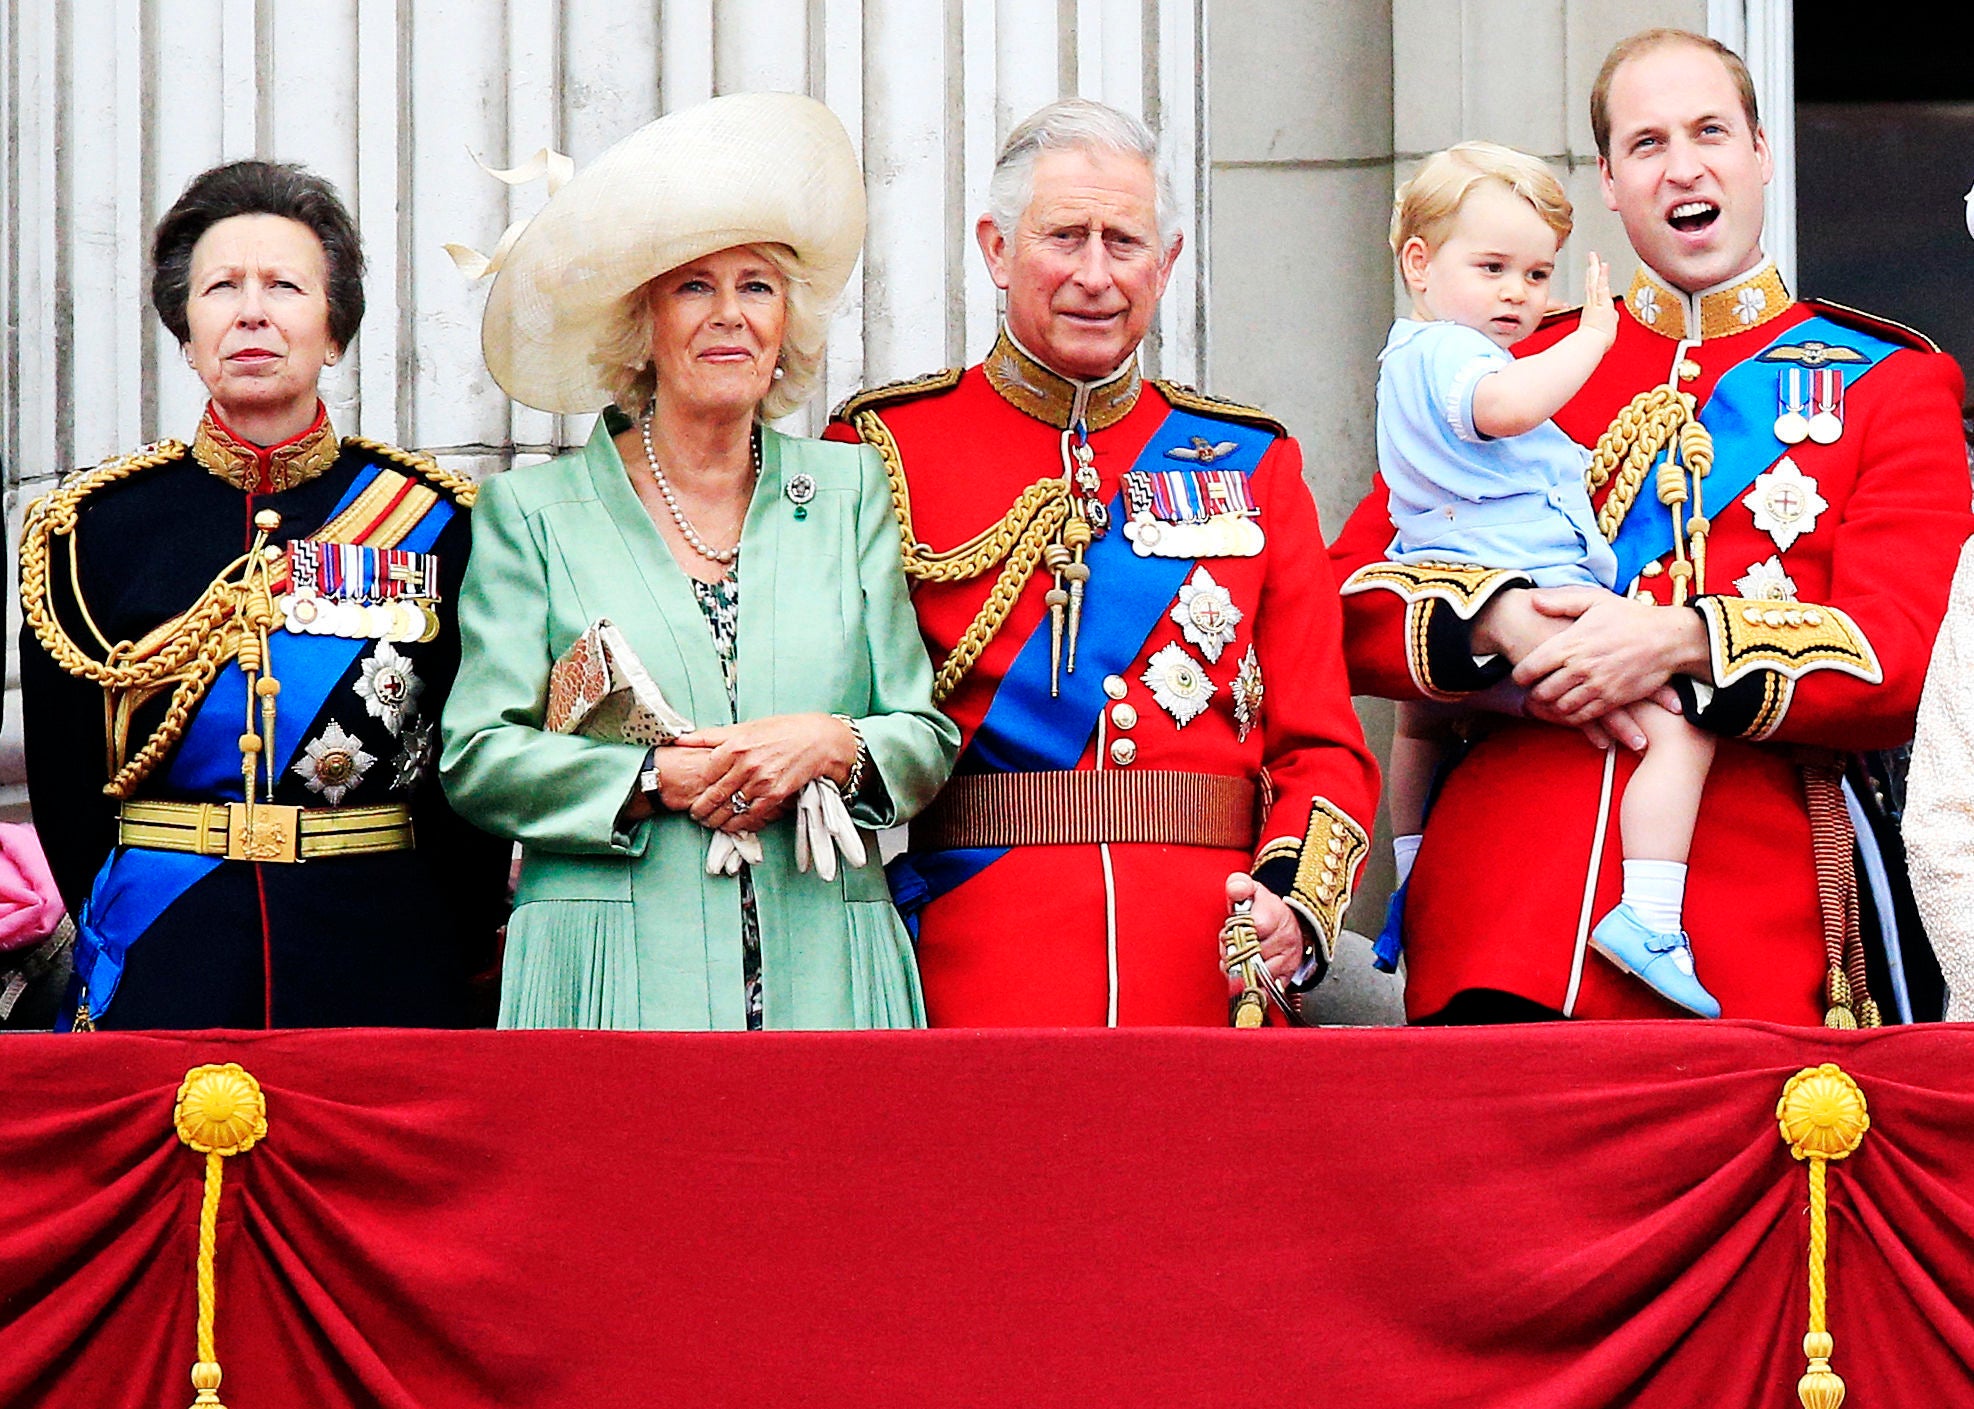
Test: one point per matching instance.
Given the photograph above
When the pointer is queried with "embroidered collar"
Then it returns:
(1741, 303)
(265, 469)
(1029, 386)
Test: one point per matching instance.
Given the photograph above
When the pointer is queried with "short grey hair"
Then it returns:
(623, 353)
(1075, 124)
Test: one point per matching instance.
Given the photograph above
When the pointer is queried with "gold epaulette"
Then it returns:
(1886, 328)
(463, 489)
(910, 388)
(1202, 403)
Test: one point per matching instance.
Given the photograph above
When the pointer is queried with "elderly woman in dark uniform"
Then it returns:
(233, 659)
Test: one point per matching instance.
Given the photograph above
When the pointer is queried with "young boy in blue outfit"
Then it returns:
(1478, 473)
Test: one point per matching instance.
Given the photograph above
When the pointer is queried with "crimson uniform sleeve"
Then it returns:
(1858, 669)
(1324, 779)
(1407, 629)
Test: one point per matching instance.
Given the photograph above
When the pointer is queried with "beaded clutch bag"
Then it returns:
(598, 688)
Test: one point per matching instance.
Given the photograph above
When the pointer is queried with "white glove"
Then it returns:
(823, 827)
(729, 849)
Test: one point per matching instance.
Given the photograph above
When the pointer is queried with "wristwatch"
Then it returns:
(648, 783)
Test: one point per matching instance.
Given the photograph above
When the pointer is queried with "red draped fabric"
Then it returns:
(1577, 1215)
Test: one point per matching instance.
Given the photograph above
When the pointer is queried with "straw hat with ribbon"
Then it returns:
(748, 168)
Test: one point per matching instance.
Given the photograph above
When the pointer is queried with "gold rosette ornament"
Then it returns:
(1823, 1118)
(220, 1112)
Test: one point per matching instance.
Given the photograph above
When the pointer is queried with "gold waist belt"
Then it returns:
(1086, 807)
(263, 831)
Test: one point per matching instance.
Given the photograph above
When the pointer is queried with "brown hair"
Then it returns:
(1427, 205)
(258, 188)
(1645, 42)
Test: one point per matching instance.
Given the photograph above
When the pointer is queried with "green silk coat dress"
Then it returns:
(625, 929)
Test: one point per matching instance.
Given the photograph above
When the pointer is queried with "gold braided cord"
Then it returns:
(994, 612)
(980, 552)
(461, 487)
(1625, 451)
(1017, 542)
(208, 1252)
(184, 655)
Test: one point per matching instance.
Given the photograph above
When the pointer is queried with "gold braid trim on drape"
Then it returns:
(221, 1112)
(1016, 542)
(1823, 1117)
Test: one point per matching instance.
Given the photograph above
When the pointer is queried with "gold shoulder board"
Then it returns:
(463, 490)
(930, 384)
(1203, 403)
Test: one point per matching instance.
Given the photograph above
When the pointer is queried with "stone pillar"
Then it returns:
(1300, 145)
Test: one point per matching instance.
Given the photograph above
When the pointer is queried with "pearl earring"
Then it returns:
(780, 371)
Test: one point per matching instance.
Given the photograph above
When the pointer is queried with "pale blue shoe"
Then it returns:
(1663, 961)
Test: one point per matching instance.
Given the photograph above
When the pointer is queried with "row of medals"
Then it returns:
(401, 619)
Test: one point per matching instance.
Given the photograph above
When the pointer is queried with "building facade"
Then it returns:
(1287, 124)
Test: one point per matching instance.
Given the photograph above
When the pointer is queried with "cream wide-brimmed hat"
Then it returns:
(745, 169)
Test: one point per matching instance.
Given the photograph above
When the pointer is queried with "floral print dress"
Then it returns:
(719, 603)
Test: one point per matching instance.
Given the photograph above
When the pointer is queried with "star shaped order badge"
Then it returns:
(389, 687)
(1248, 693)
(1178, 682)
(333, 762)
(1766, 582)
(1785, 503)
(1206, 614)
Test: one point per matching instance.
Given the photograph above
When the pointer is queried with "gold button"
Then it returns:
(1773, 618)
(1123, 752)
(1688, 369)
(1114, 686)
(1124, 716)
(1813, 618)
(1336, 846)
(1643, 595)
(1651, 569)
(1794, 618)
(1752, 615)
(1323, 893)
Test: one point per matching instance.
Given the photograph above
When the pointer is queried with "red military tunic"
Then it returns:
(1125, 931)
(1826, 577)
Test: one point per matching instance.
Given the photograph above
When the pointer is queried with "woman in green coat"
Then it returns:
(688, 273)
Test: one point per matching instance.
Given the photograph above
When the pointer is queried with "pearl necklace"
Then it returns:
(723, 556)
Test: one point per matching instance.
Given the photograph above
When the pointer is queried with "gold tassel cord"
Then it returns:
(1017, 541)
(1823, 1117)
(221, 1111)
(184, 656)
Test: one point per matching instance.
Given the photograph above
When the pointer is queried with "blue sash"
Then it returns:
(136, 886)
(1026, 729)
(1740, 415)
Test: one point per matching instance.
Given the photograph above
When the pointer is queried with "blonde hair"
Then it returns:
(1427, 205)
(623, 352)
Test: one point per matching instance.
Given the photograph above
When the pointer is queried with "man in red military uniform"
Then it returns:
(1139, 634)
(1810, 524)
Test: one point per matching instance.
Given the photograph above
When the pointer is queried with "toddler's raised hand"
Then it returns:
(1600, 316)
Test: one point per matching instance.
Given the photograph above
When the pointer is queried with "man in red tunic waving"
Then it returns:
(1139, 635)
(1783, 577)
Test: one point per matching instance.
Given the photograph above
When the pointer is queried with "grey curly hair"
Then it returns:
(623, 353)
